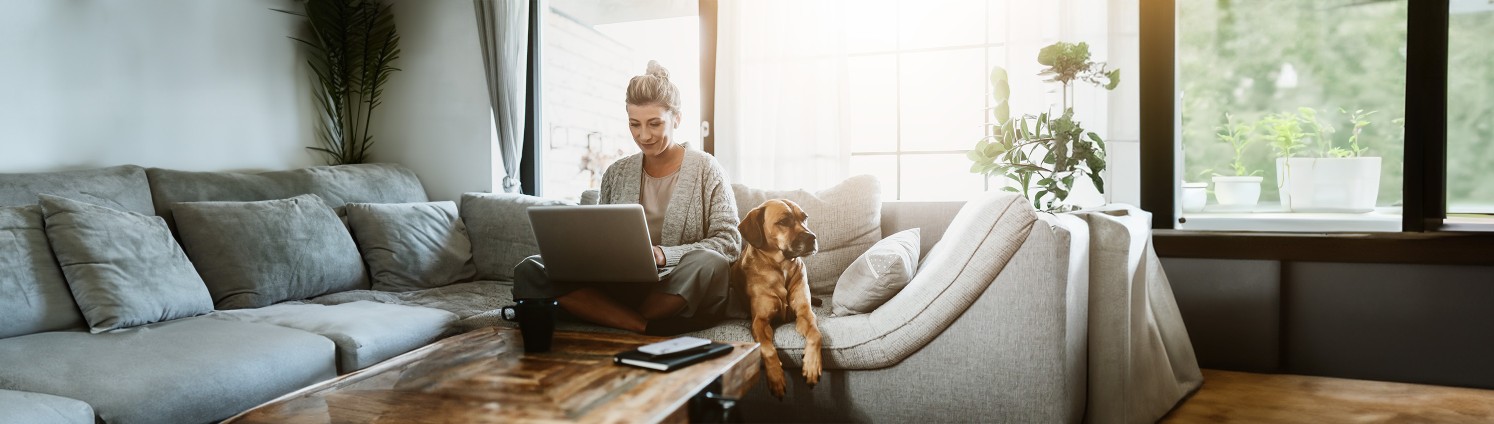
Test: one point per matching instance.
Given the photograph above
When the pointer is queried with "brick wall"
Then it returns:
(585, 75)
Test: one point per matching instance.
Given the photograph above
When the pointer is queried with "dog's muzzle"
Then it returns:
(804, 244)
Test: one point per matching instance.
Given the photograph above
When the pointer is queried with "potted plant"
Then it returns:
(1043, 155)
(1336, 178)
(1243, 189)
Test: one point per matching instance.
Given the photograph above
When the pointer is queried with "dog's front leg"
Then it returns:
(762, 330)
(807, 325)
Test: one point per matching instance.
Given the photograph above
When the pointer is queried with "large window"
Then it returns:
(901, 89)
(1422, 62)
(1290, 114)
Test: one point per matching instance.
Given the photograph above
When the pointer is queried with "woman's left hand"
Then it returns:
(658, 256)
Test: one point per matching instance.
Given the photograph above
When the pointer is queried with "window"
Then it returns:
(591, 50)
(1470, 133)
(1446, 79)
(1290, 114)
(901, 89)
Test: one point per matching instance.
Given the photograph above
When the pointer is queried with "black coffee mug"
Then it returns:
(536, 318)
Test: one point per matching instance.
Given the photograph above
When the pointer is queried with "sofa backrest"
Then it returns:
(338, 185)
(120, 187)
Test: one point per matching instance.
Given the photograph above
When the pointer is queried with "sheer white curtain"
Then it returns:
(780, 90)
(503, 31)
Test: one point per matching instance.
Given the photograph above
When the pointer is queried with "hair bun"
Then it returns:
(657, 70)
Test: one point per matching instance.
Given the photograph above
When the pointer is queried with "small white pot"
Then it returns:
(1237, 191)
(1195, 195)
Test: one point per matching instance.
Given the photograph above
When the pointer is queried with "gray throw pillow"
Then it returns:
(254, 254)
(123, 268)
(847, 218)
(33, 292)
(412, 246)
(501, 234)
(877, 275)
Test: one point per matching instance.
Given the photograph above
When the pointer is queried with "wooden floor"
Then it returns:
(1236, 397)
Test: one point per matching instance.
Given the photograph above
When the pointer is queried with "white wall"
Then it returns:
(436, 118)
(185, 84)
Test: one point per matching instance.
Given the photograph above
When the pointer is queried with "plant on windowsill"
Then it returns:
(1336, 179)
(1043, 155)
(351, 53)
(1243, 189)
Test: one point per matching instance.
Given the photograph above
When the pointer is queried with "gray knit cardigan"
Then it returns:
(702, 213)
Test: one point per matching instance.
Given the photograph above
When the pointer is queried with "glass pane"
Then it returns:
(884, 167)
(590, 54)
(1312, 95)
(943, 99)
(939, 177)
(941, 23)
(1470, 133)
(867, 23)
(871, 85)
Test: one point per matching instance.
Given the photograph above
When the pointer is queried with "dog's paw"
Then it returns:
(812, 369)
(776, 384)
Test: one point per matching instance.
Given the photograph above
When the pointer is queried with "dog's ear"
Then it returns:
(751, 228)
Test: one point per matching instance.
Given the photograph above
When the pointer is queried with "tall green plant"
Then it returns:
(351, 53)
(1041, 154)
(1239, 137)
(1284, 130)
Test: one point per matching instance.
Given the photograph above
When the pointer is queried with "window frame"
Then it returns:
(1424, 237)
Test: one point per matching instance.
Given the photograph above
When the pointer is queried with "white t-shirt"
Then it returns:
(654, 197)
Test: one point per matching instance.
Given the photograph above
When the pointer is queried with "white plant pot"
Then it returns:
(1237, 191)
(1194, 196)
(1346, 185)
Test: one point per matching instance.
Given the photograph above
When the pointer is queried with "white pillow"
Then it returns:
(877, 275)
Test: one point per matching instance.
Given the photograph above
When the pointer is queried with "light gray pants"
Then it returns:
(703, 278)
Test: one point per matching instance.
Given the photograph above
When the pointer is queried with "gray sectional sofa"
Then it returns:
(1012, 315)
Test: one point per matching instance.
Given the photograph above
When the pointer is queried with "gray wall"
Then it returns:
(1413, 323)
(185, 84)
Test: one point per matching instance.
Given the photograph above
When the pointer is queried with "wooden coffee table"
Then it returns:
(485, 376)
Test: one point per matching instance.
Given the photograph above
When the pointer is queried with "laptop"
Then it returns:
(595, 243)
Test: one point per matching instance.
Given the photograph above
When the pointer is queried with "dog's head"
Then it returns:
(780, 225)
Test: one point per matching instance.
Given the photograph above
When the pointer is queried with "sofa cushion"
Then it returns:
(847, 218)
(38, 408)
(365, 332)
(255, 254)
(185, 371)
(877, 275)
(118, 187)
(337, 185)
(501, 234)
(33, 294)
(123, 268)
(463, 299)
(412, 246)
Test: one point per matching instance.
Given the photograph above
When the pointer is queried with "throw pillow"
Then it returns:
(878, 274)
(501, 234)
(412, 246)
(33, 292)
(254, 254)
(847, 218)
(123, 268)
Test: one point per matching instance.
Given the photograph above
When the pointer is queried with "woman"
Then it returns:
(692, 222)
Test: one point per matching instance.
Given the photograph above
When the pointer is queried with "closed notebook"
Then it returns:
(671, 362)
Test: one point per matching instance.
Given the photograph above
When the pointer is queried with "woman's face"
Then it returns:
(653, 127)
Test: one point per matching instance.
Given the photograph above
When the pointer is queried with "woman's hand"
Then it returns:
(658, 256)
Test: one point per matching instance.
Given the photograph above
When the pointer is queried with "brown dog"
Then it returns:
(772, 275)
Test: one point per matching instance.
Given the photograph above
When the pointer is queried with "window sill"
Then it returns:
(1213, 218)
